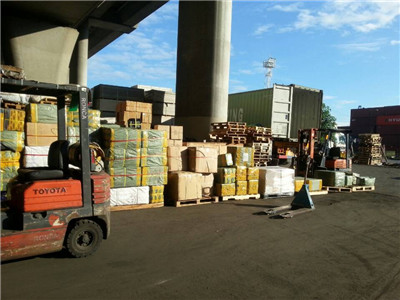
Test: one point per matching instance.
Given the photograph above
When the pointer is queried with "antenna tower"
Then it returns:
(269, 65)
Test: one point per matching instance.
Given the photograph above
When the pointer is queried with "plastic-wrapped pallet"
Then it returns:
(276, 181)
(331, 178)
(129, 196)
(157, 194)
(366, 181)
(241, 173)
(242, 156)
(157, 175)
(12, 119)
(42, 113)
(241, 187)
(124, 177)
(228, 189)
(9, 165)
(73, 134)
(252, 187)
(35, 156)
(13, 140)
(121, 138)
(253, 173)
(154, 156)
(93, 118)
(225, 175)
(154, 139)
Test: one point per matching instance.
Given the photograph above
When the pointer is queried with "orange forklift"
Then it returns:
(328, 149)
(57, 207)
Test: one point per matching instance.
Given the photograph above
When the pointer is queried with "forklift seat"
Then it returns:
(57, 165)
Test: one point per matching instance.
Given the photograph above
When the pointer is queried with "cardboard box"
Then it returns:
(221, 147)
(241, 187)
(276, 180)
(203, 160)
(146, 118)
(176, 133)
(40, 134)
(184, 186)
(242, 156)
(207, 183)
(175, 143)
(252, 187)
(165, 128)
(130, 106)
(145, 126)
(225, 160)
(144, 107)
(124, 116)
(225, 189)
(177, 158)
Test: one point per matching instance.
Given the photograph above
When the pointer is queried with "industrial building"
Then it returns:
(382, 120)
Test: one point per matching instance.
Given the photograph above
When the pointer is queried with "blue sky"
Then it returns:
(348, 49)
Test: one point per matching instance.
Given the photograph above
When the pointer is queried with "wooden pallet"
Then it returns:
(229, 124)
(363, 188)
(337, 189)
(136, 206)
(12, 105)
(239, 197)
(317, 193)
(191, 202)
(48, 101)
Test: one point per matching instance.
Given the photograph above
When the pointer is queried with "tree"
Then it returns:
(327, 120)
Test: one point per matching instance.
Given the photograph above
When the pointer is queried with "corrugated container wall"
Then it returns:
(255, 108)
(307, 109)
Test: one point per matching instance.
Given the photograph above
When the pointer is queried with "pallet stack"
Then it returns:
(134, 114)
(229, 132)
(260, 138)
(370, 149)
(137, 163)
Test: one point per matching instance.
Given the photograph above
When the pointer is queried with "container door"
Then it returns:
(281, 110)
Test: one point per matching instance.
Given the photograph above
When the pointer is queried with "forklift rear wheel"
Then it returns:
(84, 238)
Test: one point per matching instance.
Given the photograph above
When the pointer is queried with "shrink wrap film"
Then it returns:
(42, 113)
(228, 189)
(225, 175)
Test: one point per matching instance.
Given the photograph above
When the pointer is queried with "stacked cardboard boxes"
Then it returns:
(135, 159)
(237, 174)
(163, 106)
(41, 125)
(106, 98)
(12, 143)
(134, 114)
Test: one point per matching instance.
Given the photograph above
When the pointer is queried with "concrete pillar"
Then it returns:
(202, 81)
(42, 49)
(82, 55)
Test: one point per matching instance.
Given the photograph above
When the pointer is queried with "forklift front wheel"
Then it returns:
(84, 238)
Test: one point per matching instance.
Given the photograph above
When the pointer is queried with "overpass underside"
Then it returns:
(52, 42)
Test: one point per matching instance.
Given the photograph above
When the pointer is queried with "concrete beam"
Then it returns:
(202, 81)
(43, 50)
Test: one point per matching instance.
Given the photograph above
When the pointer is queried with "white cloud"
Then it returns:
(168, 11)
(246, 72)
(327, 97)
(361, 16)
(394, 42)
(355, 47)
(262, 29)
(287, 7)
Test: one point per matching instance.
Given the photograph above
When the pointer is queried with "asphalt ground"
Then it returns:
(348, 248)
